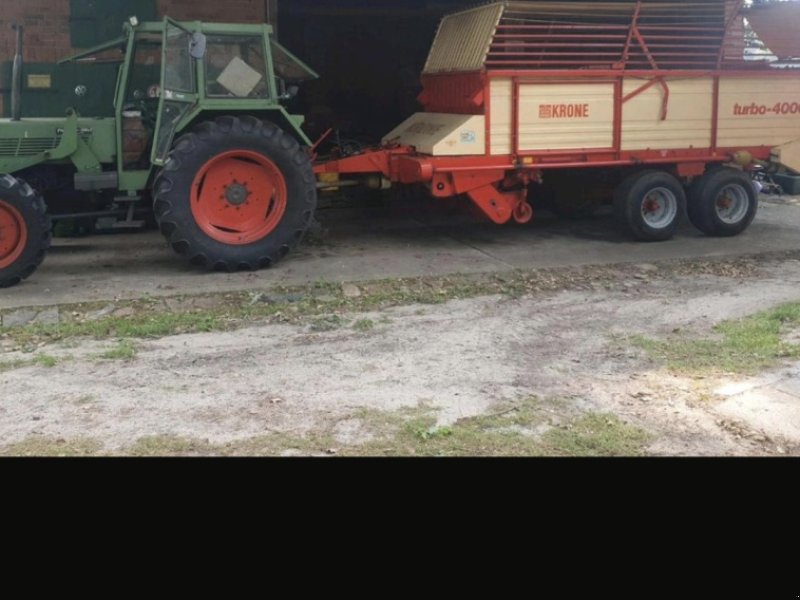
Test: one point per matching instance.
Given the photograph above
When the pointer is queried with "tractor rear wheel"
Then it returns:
(236, 193)
(24, 231)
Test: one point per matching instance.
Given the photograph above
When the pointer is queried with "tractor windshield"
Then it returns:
(236, 67)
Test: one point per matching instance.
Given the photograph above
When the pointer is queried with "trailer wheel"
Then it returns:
(236, 193)
(650, 204)
(24, 231)
(722, 203)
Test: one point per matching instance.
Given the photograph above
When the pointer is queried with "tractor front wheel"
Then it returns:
(24, 231)
(236, 194)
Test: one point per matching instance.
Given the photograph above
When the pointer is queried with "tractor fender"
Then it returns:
(277, 115)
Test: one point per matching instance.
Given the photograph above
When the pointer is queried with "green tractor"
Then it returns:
(199, 134)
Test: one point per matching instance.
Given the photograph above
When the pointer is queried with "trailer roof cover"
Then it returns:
(647, 35)
(777, 24)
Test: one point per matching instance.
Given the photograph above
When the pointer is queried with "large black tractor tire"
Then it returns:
(236, 193)
(24, 231)
(650, 205)
(723, 202)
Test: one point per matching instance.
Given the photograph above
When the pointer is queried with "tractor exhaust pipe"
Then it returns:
(16, 77)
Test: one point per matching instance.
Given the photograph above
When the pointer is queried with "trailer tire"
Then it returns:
(25, 233)
(722, 203)
(236, 193)
(650, 205)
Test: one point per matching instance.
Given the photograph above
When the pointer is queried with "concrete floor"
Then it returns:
(392, 240)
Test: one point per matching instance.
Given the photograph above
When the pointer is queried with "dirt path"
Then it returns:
(459, 360)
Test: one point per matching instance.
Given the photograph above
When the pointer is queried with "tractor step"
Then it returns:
(128, 222)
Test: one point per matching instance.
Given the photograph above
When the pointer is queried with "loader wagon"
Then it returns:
(652, 100)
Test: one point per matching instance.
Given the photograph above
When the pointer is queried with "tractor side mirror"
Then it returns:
(197, 45)
(286, 93)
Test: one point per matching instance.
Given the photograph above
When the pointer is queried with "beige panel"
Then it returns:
(747, 114)
(500, 106)
(463, 40)
(441, 134)
(566, 116)
(788, 155)
(689, 115)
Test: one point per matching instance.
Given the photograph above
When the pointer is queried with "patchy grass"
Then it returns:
(124, 350)
(596, 435)
(85, 400)
(169, 445)
(146, 324)
(364, 325)
(45, 360)
(746, 346)
(275, 444)
(47, 446)
(513, 431)
(327, 323)
(12, 365)
(153, 317)
(520, 429)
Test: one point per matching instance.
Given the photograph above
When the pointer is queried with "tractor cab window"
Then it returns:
(179, 74)
(140, 111)
(236, 67)
(145, 73)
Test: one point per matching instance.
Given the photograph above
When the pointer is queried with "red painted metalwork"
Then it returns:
(515, 116)
(664, 99)
(626, 53)
(617, 143)
(239, 197)
(13, 235)
(523, 213)
(456, 93)
(690, 169)
(586, 34)
(715, 115)
(487, 95)
(500, 206)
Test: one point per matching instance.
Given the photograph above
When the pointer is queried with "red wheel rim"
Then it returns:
(523, 213)
(13, 234)
(239, 197)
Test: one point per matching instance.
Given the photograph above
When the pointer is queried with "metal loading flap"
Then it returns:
(777, 24)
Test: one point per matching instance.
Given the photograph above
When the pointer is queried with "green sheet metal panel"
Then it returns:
(40, 101)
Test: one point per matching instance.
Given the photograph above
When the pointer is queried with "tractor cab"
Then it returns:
(173, 73)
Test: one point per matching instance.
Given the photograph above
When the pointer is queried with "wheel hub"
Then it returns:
(236, 193)
(652, 205)
(239, 197)
(659, 208)
(13, 235)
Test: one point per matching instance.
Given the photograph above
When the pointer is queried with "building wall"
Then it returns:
(47, 22)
